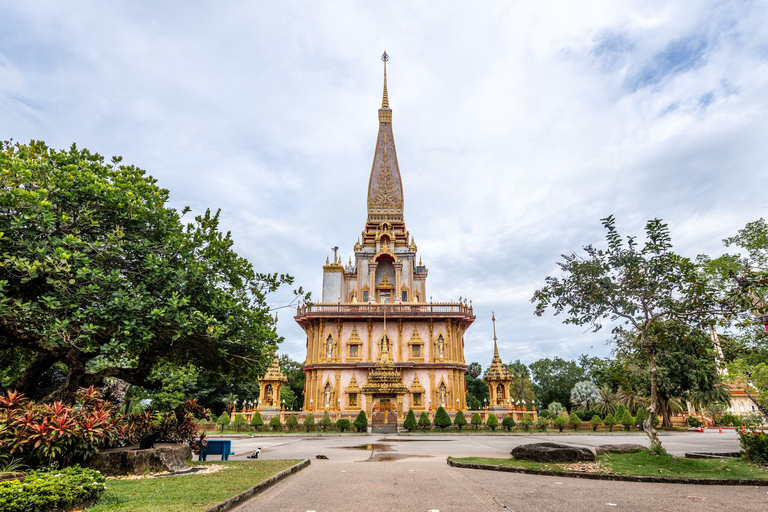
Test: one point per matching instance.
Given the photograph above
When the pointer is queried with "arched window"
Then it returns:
(500, 391)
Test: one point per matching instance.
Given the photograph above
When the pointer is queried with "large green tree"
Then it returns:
(101, 278)
(521, 387)
(553, 380)
(638, 286)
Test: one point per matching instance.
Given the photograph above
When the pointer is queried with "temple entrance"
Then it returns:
(384, 412)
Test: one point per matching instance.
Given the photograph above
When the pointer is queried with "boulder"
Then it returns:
(130, 461)
(552, 452)
(619, 448)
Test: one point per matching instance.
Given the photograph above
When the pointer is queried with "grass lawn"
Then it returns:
(644, 463)
(187, 492)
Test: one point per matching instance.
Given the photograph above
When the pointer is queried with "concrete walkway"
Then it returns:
(409, 473)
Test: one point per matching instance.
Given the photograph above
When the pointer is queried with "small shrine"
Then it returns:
(498, 379)
(269, 388)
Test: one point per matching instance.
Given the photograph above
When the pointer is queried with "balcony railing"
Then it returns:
(376, 309)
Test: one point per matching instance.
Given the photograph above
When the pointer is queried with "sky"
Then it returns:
(519, 125)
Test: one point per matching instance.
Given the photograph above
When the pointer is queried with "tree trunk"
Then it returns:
(27, 381)
(648, 423)
(666, 420)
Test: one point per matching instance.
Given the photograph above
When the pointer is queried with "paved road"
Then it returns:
(409, 473)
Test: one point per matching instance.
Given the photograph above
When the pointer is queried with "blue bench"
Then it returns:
(222, 447)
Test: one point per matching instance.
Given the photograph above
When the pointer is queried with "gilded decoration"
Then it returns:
(498, 377)
(384, 378)
(269, 387)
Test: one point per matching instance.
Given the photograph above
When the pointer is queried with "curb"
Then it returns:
(621, 478)
(238, 499)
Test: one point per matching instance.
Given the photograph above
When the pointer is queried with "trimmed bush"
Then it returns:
(460, 420)
(609, 422)
(754, 445)
(693, 422)
(275, 424)
(361, 422)
(542, 424)
(54, 489)
(588, 415)
(476, 420)
(620, 410)
(240, 422)
(424, 421)
(560, 423)
(526, 422)
(581, 414)
(410, 421)
(292, 423)
(257, 421)
(309, 422)
(325, 422)
(627, 421)
(640, 418)
(442, 420)
(223, 421)
(508, 423)
(595, 422)
(492, 422)
(574, 421)
(343, 425)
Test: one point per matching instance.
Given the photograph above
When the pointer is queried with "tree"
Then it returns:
(361, 422)
(554, 379)
(292, 423)
(477, 391)
(325, 421)
(410, 421)
(442, 420)
(609, 421)
(595, 422)
(100, 278)
(639, 287)
(256, 421)
(555, 408)
(574, 421)
(542, 424)
(492, 422)
(508, 423)
(309, 422)
(526, 422)
(424, 422)
(343, 424)
(293, 390)
(560, 423)
(240, 422)
(476, 420)
(627, 421)
(521, 388)
(585, 394)
(223, 421)
(474, 370)
(460, 420)
(275, 424)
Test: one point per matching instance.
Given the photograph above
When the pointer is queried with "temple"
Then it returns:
(374, 342)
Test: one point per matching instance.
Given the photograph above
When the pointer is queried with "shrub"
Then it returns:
(492, 422)
(424, 421)
(223, 421)
(609, 422)
(343, 425)
(595, 422)
(325, 421)
(240, 422)
(693, 422)
(442, 420)
(640, 418)
(620, 410)
(257, 421)
(309, 422)
(542, 424)
(476, 420)
(275, 424)
(560, 423)
(754, 445)
(588, 415)
(460, 420)
(292, 423)
(581, 414)
(627, 421)
(410, 421)
(508, 423)
(526, 422)
(554, 408)
(361, 422)
(574, 421)
(544, 414)
(730, 420)
(54, 489)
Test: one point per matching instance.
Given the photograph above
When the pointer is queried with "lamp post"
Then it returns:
(524, 406)
(485, 404)
(310, 404)
(457, 404)
(283, 408)
(509, 406)
(429, 405)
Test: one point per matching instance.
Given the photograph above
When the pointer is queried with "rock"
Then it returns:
(129, 461)
(619, 448)
(7, 477)
(552, 452)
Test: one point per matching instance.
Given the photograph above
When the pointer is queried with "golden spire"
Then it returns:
(495, 345)
(385, 98)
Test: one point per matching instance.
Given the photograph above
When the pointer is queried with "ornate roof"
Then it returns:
(497, 371)
(385, 188)
(274, 373)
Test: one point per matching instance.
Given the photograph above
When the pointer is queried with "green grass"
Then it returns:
(187, 492)
(646, 464)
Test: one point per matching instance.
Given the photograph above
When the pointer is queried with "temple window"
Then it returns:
(415, 350)
(384, 297)
(365, 295)
(353, 399)
(353, 351)
(417, 399)
(405, 296)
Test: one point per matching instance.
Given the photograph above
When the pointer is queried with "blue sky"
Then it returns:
(517, 127)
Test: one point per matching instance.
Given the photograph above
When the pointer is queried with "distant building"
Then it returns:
(374, 341)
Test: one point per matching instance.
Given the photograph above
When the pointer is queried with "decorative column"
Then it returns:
(372, 286)
(398, 270)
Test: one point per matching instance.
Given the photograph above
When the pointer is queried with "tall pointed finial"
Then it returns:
(495, 346)
(385, 98)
